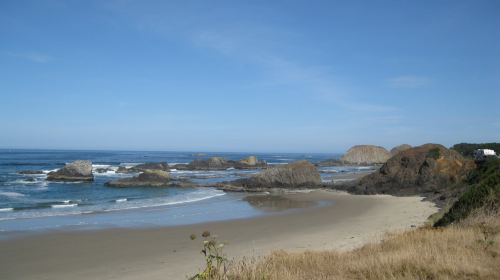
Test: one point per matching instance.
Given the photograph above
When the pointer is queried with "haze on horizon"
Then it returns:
(263, 76)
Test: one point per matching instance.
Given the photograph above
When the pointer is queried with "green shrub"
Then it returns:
(483, 192)
(433, 153)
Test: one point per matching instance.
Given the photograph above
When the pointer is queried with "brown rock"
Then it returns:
(430, 170)
(400, 148)
(366, 154)
(299, 174)
(149, 178)
(80, 170)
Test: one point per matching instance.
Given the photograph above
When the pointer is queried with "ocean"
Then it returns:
(30, 203)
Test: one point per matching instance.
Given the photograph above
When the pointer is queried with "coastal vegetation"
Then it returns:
(484, 193)
(468, 250)
(467, 149)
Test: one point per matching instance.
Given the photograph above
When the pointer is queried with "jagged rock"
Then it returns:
(430, 170)
(149, 178)
(366, 154)
(249, 163)
(400, 148)
(213, 163)
(143, 167)
(80, 170)
(219, 163)
(299, 174)
(103, 170)
(30, 172)
(251, 160)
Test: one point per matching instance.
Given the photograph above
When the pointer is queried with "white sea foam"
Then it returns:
(343, 180)
(364, 167)
(121, 200)
(6, 209)
(66, 201)
(48, 171)
(95, 166)
(130, 164)
(182, 199)
(11, 194)
(63, 205)
(71, 209)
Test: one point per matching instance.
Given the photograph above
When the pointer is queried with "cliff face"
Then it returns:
(429, 169)
(366, 154)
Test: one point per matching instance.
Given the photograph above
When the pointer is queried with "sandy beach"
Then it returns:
(342, 221)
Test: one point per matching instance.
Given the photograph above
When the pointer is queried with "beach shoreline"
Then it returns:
(168, 253)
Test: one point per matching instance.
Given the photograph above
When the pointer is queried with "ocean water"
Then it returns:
(30, 203)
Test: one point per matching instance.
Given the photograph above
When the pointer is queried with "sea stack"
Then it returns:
(366, 154)
(400, 148)
(80, 170)
(149, 178)
(299, 174)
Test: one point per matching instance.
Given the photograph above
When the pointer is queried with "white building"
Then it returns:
(482, 153)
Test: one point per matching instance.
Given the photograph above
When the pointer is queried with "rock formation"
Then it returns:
(30, 172)
(400, 148)
(299, 174)
(251, 160)
(219, 163)
(366, 154)
(430, 170)
(149, 178)
(80, 170)
(163, 166)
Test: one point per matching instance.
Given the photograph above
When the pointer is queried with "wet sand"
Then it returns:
(341, 221)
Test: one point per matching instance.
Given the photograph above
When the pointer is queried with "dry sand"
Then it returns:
(168, 253)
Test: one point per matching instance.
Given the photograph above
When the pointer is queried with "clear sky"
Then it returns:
(296, 76)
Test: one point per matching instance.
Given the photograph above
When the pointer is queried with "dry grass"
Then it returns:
(469, 250)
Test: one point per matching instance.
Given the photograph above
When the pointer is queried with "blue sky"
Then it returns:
(295, 76)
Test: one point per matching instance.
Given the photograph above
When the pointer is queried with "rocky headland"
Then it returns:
(80, 170)
(430, 170)
(295, 175)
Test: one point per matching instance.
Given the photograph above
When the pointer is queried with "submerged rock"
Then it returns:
(103, 170)
(430, 170)
(299, 174)
(80, 170)
(366, 154)
(30, 172)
